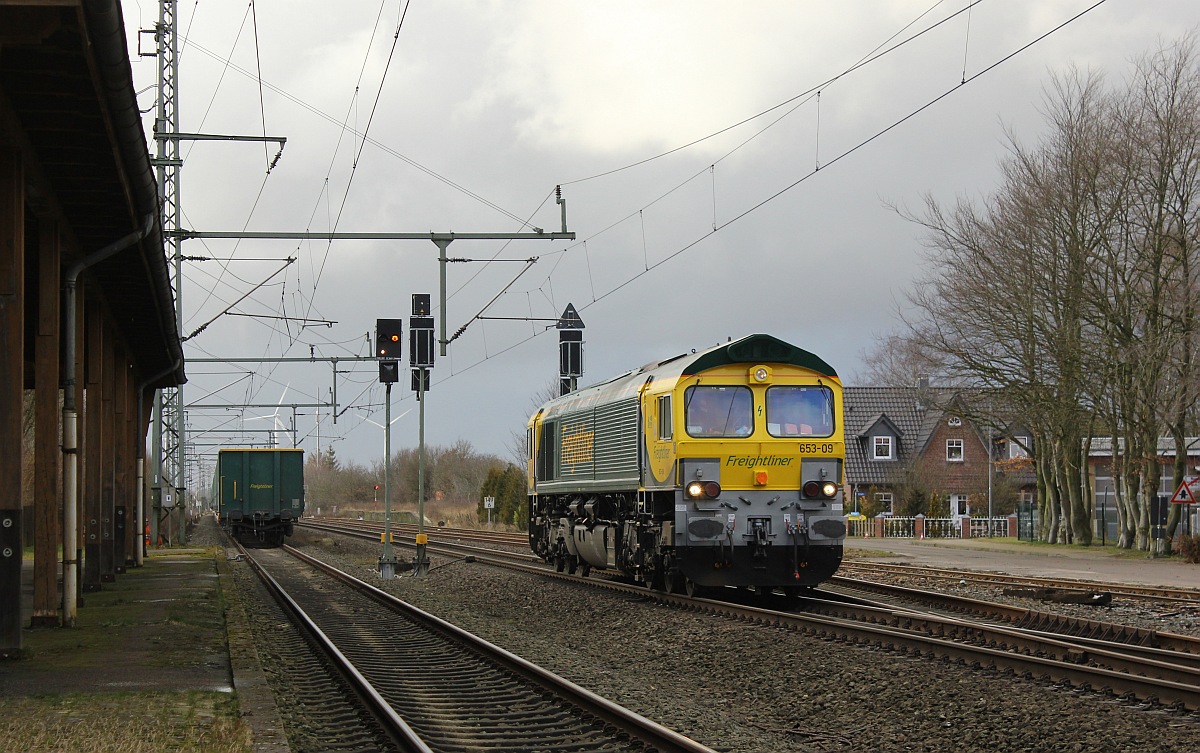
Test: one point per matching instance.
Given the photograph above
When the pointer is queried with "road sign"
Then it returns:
(489, 502)
(1186, 493)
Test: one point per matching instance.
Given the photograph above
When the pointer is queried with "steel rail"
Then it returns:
(629, 722)
(383, 711)
(1160, 593)
(1173, 685)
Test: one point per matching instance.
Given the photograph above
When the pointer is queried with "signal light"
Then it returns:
(387, 338)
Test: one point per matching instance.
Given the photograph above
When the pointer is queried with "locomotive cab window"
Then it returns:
(800, 411)
(664, 417)
(718, 411)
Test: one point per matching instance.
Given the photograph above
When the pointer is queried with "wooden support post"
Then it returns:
(90, 465)
(12, 370)
(47, 481)
(108, 458)
(120, 444)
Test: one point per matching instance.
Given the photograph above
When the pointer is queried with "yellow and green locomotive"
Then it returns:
(721, 467)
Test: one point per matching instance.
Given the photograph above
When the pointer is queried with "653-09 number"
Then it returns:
(816, 448)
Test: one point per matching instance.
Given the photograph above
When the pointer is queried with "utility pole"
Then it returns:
(168, 464)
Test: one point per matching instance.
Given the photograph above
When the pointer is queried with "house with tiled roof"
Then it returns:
(916, 450)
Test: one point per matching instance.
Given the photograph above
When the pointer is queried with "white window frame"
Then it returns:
(880, 440)
(666, 428)
(952, 443)
(954, 500)
(1015, 450)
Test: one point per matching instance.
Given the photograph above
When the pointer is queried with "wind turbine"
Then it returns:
(381, 426)
(275, 416)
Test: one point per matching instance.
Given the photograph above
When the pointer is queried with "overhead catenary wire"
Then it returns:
(772, 197)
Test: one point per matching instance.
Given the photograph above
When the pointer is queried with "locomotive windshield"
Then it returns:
(800, 411)
(718, 411)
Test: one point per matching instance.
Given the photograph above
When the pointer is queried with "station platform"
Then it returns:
(159, 631)
(1107, 564)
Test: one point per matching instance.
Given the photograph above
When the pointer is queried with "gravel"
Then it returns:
(738, 687)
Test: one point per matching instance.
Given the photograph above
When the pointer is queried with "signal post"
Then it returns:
(387, 350)
(420, 357)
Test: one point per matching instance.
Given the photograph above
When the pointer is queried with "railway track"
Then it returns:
(434, 687)
(1142, 665)
(1156, 593)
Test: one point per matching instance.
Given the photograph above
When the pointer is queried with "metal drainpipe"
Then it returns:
(70, 444)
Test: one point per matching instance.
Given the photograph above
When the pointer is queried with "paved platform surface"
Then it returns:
(161, 627)
(1100, 564)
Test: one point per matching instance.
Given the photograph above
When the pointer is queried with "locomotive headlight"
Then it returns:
(761, 374)
(819, 489)
(702, 490)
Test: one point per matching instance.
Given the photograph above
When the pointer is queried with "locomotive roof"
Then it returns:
(751, 349)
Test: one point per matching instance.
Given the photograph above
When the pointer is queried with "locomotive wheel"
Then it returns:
(691, 588)
(676, 582)
(654, 575)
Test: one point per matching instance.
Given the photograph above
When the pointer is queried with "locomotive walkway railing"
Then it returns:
(921, 527)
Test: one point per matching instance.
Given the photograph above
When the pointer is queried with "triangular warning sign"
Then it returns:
(1184, 494)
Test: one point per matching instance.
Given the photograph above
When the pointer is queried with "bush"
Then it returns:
(1189, 547)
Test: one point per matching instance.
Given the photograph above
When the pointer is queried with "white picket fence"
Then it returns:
(898, 527)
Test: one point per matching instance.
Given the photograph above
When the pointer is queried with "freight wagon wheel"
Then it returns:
(585, 570)
(560, 563)
(572, 564)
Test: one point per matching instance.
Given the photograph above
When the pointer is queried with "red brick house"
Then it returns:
(915, 450)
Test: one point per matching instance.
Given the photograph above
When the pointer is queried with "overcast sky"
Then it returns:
(696, 221)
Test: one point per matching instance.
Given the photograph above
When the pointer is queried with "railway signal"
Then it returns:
(570, 349)
(387, 338)
(420, 329)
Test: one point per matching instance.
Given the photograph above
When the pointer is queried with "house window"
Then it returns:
(959, 505)
(887, 503)
(883, 448)
(1016, 448)
(664, 417)
(954, 450)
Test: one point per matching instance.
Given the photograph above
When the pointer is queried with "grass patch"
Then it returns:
(184, 722)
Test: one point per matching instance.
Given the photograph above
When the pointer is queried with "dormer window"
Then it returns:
(883, 448)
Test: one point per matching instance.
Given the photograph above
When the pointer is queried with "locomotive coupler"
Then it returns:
(760, 539)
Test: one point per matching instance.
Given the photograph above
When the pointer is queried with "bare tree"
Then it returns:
(1071, 290)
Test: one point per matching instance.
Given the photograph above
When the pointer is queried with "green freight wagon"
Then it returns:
(259, 493)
